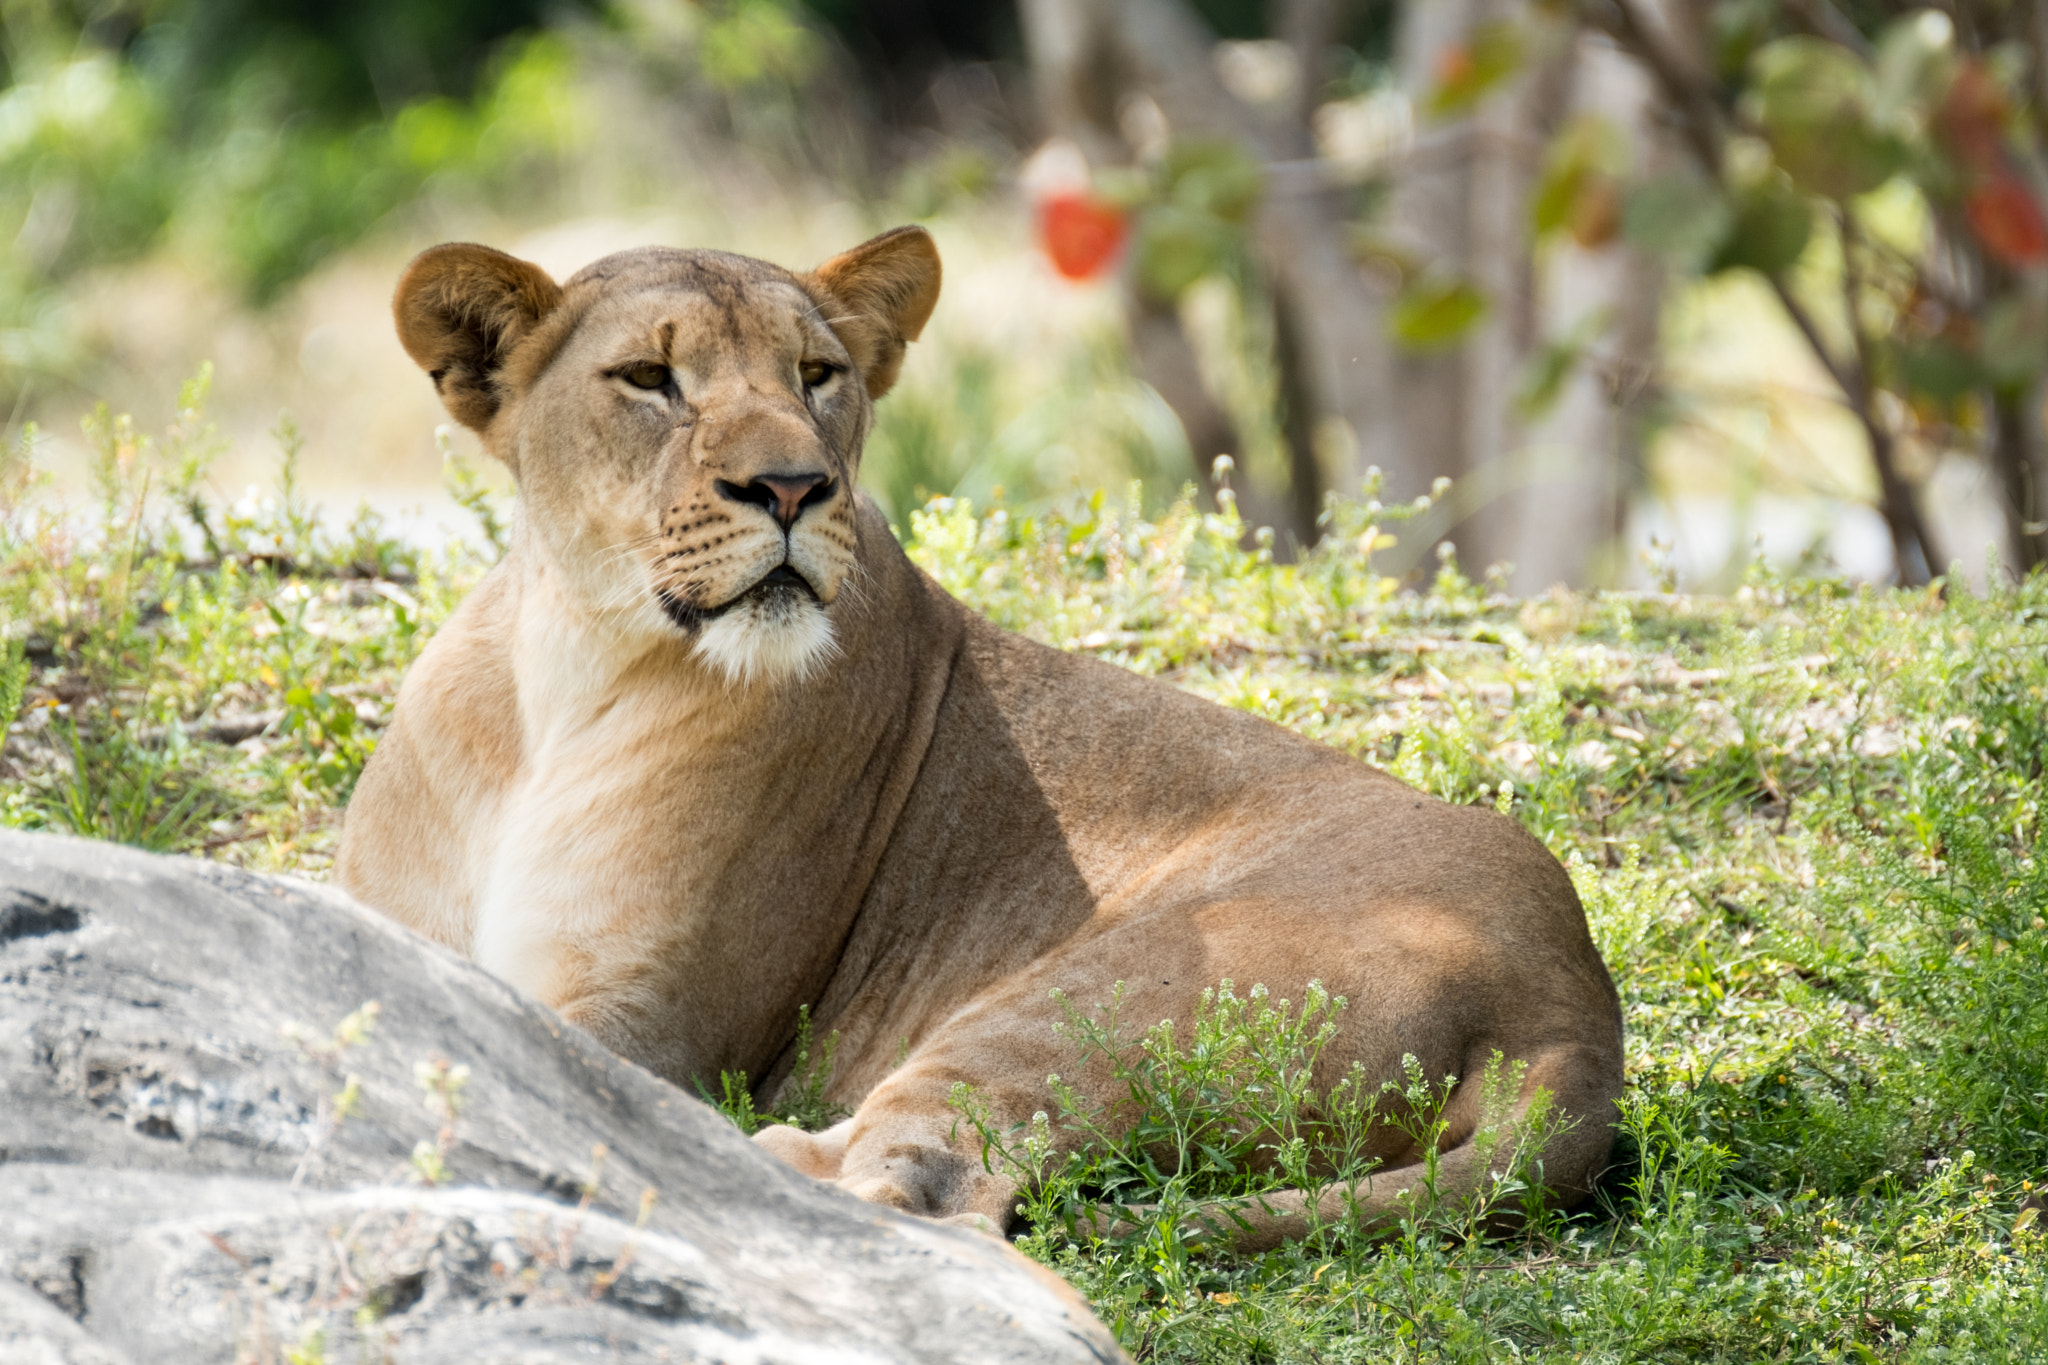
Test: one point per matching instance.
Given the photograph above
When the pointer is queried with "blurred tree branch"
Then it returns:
(1914, 98)
(1410, 307)
(1092, 58)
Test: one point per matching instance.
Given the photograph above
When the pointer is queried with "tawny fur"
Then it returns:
(920, 829)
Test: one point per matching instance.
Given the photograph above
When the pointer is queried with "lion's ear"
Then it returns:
(887, 287)
(460, 308)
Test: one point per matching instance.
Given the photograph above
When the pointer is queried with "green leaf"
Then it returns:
(1813, 100)
(1938, 369)
(1547, 373)
(1176, 247)
(1212, 176)
(1769, 232)
(1805, 82)
(1557, 189)
(1588, 149)
(2014, 345)
(1466, 72)
(1679, 216)
(1736, 29)
(1434, 312)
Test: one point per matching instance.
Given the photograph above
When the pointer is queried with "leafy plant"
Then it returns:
(470, 492)
(128, 792)
(799, 1101)
(13, 682)
(1196, 1130)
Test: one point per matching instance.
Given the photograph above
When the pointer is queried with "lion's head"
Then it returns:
(684, 426)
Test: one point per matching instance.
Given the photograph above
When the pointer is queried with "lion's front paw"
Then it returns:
(890, 1195)
(940, 1187)
(815, 1154)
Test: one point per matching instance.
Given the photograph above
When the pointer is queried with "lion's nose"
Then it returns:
(784, 495)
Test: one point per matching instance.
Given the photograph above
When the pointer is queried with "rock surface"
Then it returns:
(200, 1161)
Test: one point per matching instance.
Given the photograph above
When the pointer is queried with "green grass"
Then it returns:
(1805, 820)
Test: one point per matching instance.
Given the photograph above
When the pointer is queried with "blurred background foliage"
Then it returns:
(1628, 271)
(275, 135)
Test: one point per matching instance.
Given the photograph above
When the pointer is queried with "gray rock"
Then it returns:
(200, 1162)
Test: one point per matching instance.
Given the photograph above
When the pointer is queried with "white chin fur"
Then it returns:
(775, 641)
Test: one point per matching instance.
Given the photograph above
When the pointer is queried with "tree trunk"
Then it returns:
(2016, 462)
(1543, 494)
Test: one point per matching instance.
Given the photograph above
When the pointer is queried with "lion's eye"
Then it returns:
(647, 376)
(814, 373)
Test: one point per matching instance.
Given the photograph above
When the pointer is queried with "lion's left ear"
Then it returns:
(887, 287)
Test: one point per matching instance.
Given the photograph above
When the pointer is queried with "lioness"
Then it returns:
(706, 747)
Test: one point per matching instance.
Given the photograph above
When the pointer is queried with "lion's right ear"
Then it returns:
(460, 309)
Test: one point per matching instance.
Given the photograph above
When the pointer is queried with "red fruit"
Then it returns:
(1080, 235)
(2008, 221)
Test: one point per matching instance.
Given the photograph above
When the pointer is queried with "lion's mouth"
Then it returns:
(782, 577)
(779, 582)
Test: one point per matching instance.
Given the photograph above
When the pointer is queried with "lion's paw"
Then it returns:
(805, 1151)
